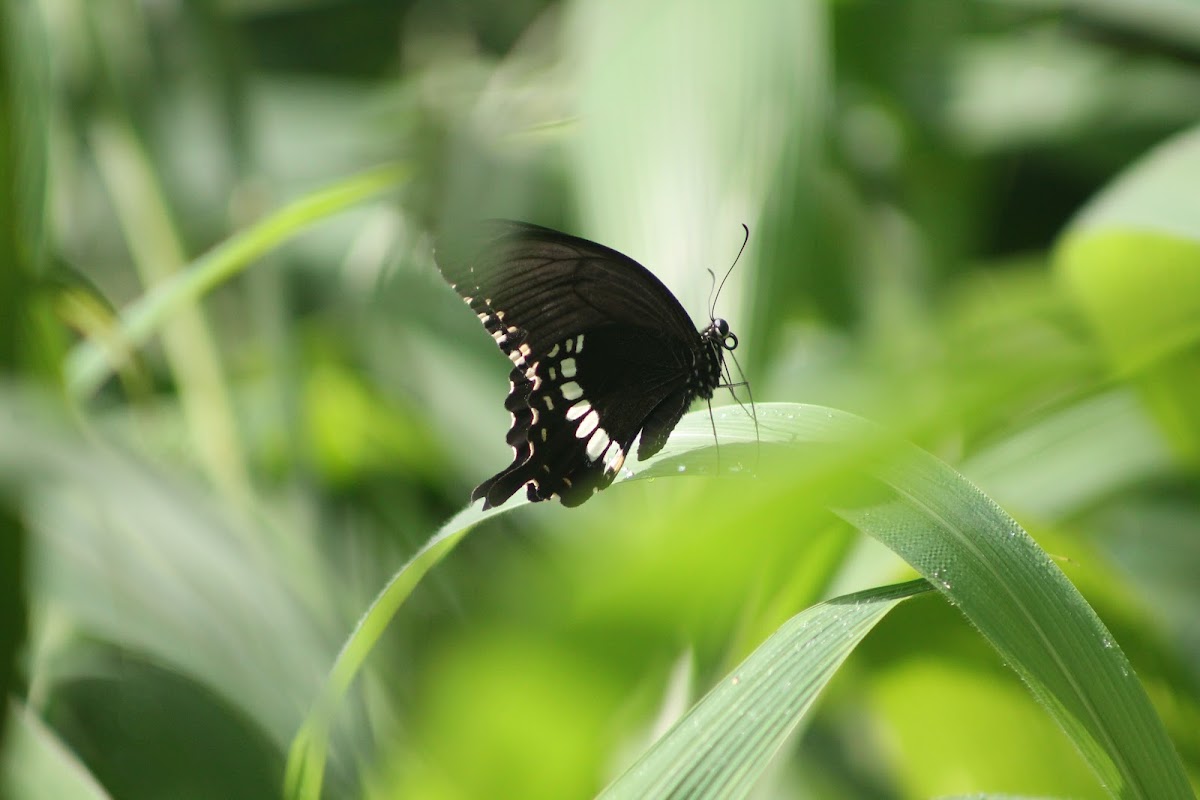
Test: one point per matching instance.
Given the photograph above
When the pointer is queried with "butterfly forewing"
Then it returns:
(552, 285)
(601, 352)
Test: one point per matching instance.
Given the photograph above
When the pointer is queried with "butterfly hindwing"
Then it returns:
(578, 409)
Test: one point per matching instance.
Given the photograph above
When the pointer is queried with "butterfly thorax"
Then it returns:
(709, 361)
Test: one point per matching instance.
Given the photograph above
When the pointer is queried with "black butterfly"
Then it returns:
(601, 352)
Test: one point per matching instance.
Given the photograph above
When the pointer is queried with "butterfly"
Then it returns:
(601, 352)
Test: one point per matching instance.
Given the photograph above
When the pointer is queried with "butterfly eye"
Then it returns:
(721, 327)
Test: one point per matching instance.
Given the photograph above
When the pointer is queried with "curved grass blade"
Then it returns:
(720, 747)
(1006, 585)
(36, 765)
(305, 770)
(990, 796)
(91, 361)
(126, 550)
(955, 536)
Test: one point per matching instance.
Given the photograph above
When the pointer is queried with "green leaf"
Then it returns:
(1132, 263)
(91, 361)
(640, 144)
(1007, 586)
(720, 747)
(989, 796)
(305, 770)
(955, 536)
(105, 524)
(37, 766)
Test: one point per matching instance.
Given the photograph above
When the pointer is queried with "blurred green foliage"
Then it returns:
(972, 222)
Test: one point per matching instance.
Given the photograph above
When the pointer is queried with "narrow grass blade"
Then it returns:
(720, 747)
(126, 550)
(305, 770)
(1006, 585)
(91, 362)
(35, 765)
(956, 537)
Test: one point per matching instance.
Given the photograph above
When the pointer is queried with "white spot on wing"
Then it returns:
(587, 425)
(578, 410)
(597, 443)
(614, 457)
(570, 345)
(568, 367)
(578, 344)
(572, 391)
(553, 352)
(519, 355)
(549, 403)
(531, 375)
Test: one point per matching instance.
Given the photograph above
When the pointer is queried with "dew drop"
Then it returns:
(939, 575)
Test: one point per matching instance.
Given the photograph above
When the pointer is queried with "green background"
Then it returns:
(237, 398)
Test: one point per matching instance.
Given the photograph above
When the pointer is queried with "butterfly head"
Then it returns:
(718, 332)
(717, 335)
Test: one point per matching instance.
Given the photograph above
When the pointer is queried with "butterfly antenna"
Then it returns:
(712, 287)
(712, 306)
